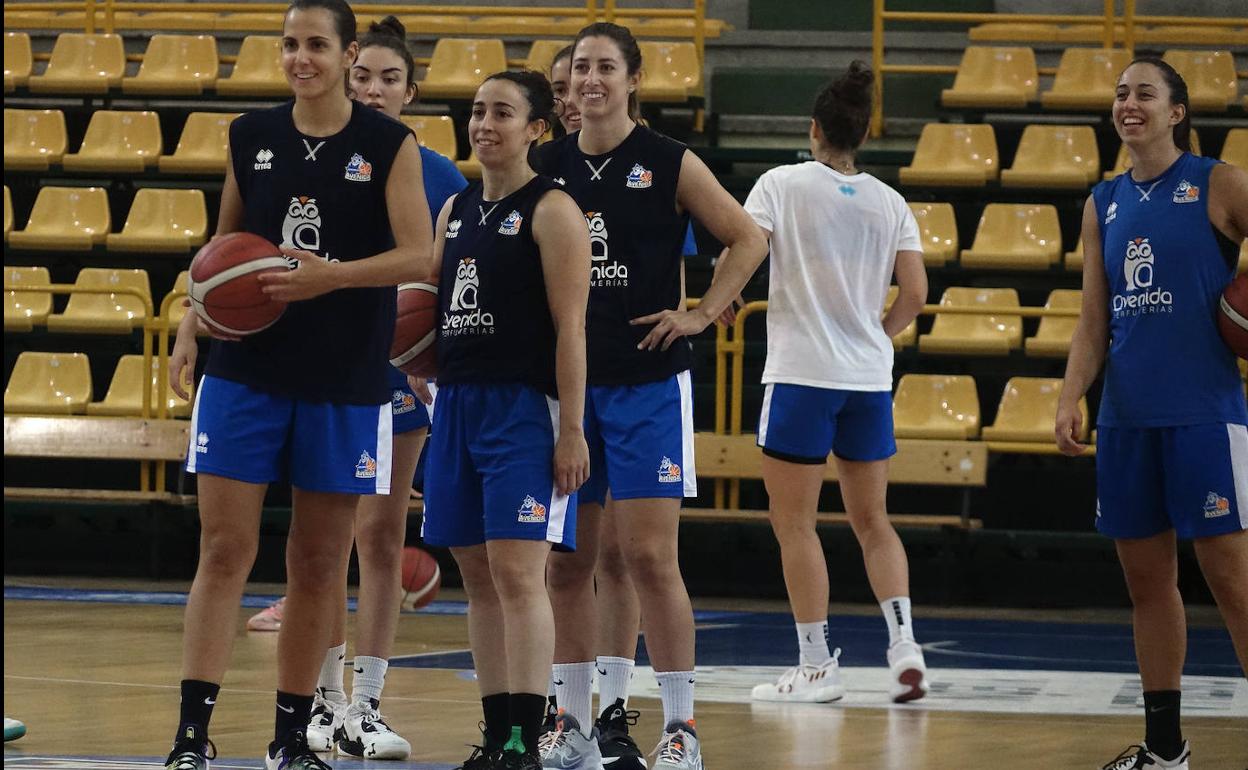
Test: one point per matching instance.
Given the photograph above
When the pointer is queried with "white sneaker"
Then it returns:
(327, 713)
(678, 749)
(365, 734)
(805, 684)
(908, 672)
(1137, 757)
(567, 748)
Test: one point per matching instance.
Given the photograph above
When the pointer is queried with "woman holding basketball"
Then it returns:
(338, 186)
(508, 452)
(1160, 244)
(637, 190)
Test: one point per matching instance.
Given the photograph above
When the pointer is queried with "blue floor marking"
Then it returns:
(14, 756)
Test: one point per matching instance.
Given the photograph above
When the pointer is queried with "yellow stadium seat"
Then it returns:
(1053, 337)
(1028, 410)
(43, 20)
(459, 65)
(936, 406)
(192, 21)
(177, 310)
(176, 64)
(65, 218)
(125, 392)
(1123, 162)
(18, 60)
(994, 77)
(1011, 32)
(907, 336)
(82, 64)
(1086, 78)
(8, 213)
(1054, 156)
(953, 155)
(257, 70)
(1016, 236)
(1235, 150)
(112, 313)
(163, 221)
(33, 139)
(117, 141)
(670, 72)
(1189, 35)
(542, 55)
(1087, 34)
(1243, 261)
(1210, 77)
(437, 132)
(24, 310)
(49, 383)
(938, 231)
(1074, 259)
(975, 334)
(203, 147)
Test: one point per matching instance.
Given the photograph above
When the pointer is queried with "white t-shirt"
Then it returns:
(834, 241)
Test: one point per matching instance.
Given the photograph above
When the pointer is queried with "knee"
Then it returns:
(870, 525)
(517, 582)
(378, 548)
(792, 530)
(612, 566)
(227, 553)
(570, 571)
(316, 564)
(653, 566)
(1147, 587)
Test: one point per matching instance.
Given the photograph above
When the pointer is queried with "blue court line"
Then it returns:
(14, 756)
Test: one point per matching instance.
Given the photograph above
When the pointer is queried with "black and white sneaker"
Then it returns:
(295, 755)
(1140, 758)
(619, 750)
(191, 752)
(365, 734)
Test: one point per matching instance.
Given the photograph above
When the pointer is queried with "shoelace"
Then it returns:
(186, 759)
(550, 742)
(1125, 760)
(791, 675)
(477, 760)
(371, 716)
(671, 747)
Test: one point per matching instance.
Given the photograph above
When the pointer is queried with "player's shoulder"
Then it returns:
(265, 118)
(549, 152)
(654, 141)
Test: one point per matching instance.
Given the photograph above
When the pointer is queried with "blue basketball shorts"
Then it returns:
(245, 434)
(407, 411)
(1192, 479)
(640, 440)
(802, 424)
(489, 473)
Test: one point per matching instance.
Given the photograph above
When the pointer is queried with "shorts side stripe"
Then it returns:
(558, 503)
(1237, 436)
(385, 449)
(191, 454)
(685, 383)
(765, 417)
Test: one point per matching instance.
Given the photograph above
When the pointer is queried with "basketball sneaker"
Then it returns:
(618, 748)
(805, 684)
(269, 618)
(907, 672)
(1139, 757)
(365, 734)
(567, 748)
(678, 749)
(328, 708)
(295, 755)
(514, 760)
(13, 729)
(191, 752)
(481, 758)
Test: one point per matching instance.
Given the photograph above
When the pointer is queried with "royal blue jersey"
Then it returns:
(1166, 266)
(326, 195)
(637, 237)
(494, 319)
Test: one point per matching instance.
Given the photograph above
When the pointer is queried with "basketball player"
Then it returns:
(838, 235)
(1160, 244)
(636, 189)
(508, 452)
(338, 187)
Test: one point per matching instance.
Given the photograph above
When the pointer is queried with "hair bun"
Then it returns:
(390, 25)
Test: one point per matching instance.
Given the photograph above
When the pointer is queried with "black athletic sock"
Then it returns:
(497, 710)
(293, 713)
(198, 699)
(1162, 732)
(527, 711)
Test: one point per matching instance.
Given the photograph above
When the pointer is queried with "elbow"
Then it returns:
(915, 294)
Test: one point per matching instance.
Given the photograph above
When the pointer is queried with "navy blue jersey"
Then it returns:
(637, 236)
(1166, 267)
(325, 195)
(495, 323)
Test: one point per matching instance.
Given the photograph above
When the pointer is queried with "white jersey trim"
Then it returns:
(764, 418)
(191, 454)
(558, 503)
(685, 383)
(385, 449)
(1237, 436)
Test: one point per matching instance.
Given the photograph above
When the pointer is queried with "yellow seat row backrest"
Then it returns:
(78, 219)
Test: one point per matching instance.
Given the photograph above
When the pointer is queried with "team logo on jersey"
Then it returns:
(639, 178)
(302, 227)
(602, 272)
(358, 169)
(464, 316)
(669, 472)
(847, 190)
(1216, 506)
(402, 402)
(511, 225)
(1186, 192)
(365, 467)
(561, 181)
(452, 228)
(1138, 265)
(264, 160)
(1111, 213)
(1142, 298)
(201, 443)
(531, 511)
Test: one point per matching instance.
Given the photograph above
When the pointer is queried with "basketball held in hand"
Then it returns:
(1233, 315)
(224, 284)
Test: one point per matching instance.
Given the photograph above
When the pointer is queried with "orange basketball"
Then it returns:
(415, 330)
(1233, 315)
(223, 284)
(421, 578)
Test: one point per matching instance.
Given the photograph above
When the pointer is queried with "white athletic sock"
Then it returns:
(676, 690)
(812, 641)
(331, 671)
(897, 618)
(574, 689)
(614, 676)
(369, 679)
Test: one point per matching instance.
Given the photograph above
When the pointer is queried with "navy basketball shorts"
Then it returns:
(407, 411)
(249, 435)
(489, 473)
(1192, 479)
(802, 424)
(640, 440)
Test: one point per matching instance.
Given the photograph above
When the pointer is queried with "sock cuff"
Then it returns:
(604, 660)
(371, 664)
(674, 674)
(571, 667)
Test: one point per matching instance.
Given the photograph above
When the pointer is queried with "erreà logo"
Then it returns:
(201, 443)
(1111, 213)
(452, 228)
(464, 315)
(264, 160)
(602, 272)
